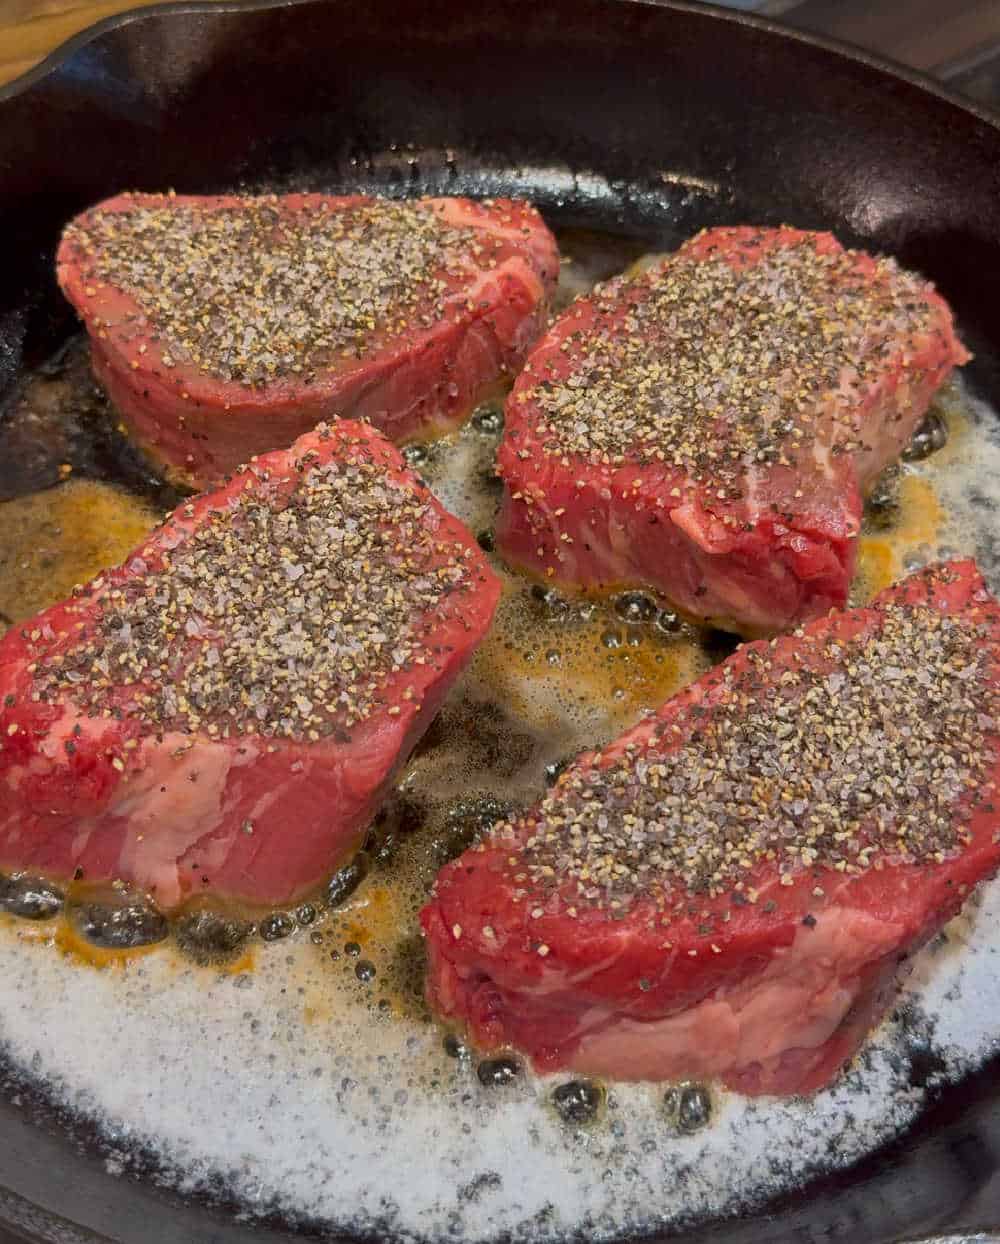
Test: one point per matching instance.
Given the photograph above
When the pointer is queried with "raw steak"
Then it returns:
(224, 711)
(224, 327)
(707, 429)
(728, 890)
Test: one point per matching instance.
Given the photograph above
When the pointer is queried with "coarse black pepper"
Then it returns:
(256, 291)
(858, 749)
(282, 615)
(720, 367)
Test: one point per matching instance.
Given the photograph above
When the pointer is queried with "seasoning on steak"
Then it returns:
(225, 710)
(728, 890)
(223, 327)
(707, 428)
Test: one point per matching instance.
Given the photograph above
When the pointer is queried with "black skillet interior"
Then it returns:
(645, 119)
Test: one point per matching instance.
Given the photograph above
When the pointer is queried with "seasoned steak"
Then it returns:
(707, 428)
(728, 890)
(224, 326)
(224, 711)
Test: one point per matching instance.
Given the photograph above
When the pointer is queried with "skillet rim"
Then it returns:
(34, 77)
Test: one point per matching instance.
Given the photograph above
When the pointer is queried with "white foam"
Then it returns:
(966, 478)
(339, 1120)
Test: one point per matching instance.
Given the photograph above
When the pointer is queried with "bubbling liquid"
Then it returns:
(289, 1056)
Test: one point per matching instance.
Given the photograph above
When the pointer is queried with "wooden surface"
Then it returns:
(935, 35)
(30, 29)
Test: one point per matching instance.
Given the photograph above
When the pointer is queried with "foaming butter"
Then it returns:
(52, 540)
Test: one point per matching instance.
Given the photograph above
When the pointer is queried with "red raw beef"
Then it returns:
(728, 891)
(223, 327)
(224, 711)
(708, 428)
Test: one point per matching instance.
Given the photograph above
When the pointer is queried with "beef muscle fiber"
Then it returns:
(707, 428)
(728, 890)
(222, 327)
(225, 710)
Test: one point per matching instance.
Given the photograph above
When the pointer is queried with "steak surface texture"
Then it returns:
(728, 890)
(223, 327)
(223, 712)
(708, 427)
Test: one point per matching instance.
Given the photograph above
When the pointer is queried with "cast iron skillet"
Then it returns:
(651, 119)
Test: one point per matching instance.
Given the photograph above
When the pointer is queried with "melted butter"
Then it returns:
(541, 671)
(52, 540)
(953, 403)
(882, 557)
(589, 257)
(60, 934)
(373, 917)
(246, 962)
(66, 939)
(325, 977)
